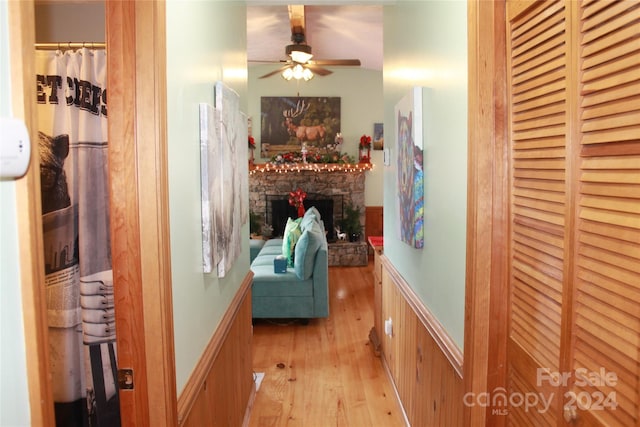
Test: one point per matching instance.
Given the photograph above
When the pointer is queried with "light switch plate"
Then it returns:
(386, 155)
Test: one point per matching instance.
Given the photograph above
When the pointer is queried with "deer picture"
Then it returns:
(302, 133)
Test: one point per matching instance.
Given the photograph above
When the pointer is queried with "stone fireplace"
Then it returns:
(328, 190)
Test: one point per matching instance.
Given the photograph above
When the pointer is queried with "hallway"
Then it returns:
(325, 373)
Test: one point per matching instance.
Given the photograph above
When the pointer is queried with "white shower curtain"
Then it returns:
(72, 114)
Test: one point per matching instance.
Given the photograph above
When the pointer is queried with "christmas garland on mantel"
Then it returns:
(315, 167)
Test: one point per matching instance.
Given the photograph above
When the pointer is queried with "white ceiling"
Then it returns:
(333, 32)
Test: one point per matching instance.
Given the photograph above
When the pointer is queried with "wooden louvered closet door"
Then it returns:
(574, 281)
(606, 260)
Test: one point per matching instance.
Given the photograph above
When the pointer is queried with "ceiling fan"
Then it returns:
(299, 64)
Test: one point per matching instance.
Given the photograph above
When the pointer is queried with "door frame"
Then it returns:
(139, 211)
(486, 290)
(21, 16)
(139, 200)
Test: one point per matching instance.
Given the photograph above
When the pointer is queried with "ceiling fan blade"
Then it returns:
(269, 61)
(279, 70)
(318, 70)
(355, 62)
(264, 61)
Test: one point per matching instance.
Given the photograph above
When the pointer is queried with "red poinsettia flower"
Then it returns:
(365, 141)
(296, 198)
(252, 143)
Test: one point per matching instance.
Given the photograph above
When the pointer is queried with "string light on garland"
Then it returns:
(314, 167)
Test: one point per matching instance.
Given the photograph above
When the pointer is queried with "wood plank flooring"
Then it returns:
(325, 373)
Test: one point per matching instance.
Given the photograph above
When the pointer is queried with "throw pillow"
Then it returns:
(308, 221)
(313, 211)
(305, 252)
(292, 233)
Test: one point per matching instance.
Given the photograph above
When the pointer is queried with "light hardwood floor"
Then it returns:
(325, 373)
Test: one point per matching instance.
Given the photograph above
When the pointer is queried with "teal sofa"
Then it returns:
(303, 290)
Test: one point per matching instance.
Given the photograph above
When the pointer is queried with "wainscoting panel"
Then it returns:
(221, 388)
(422, 360)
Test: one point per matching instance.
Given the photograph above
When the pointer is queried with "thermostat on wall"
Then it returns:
(15, 148)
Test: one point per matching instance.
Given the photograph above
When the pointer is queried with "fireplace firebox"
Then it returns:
(279, 210)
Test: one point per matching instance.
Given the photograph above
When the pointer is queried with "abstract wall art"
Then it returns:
(210, 183)
(410, 177)
(378, 136)
(223, 151)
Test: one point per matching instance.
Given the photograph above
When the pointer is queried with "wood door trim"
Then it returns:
(23, 103)
(487, 211)
(139, 209)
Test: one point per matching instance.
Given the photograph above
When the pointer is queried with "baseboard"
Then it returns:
(395, 391)
(247, 412)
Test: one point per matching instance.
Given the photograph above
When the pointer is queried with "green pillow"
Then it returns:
(291, 235)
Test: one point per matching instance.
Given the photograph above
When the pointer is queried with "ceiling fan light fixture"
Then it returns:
(307, 74)
(301, 57)
(297, 72)
(299, 52)
(287, 74)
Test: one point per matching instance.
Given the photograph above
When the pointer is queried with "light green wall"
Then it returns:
(14, 398)
(361, 104)
(425, 44)
(206, 42)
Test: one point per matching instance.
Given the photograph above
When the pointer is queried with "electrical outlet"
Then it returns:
(388, 327)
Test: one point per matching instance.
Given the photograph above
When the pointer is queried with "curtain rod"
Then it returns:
(70, 45)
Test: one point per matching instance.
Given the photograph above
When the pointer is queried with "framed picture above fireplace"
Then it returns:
(290, 123)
